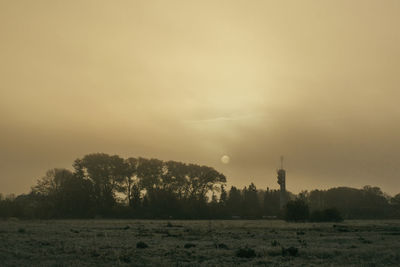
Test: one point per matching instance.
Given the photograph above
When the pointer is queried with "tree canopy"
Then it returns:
(102, 185)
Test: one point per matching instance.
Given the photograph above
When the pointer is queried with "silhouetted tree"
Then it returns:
(234, 202)
(135, 199)
(150, 188)
(61, 194)
(396, 200)
(224, 196)
(251, 204)
(174, 178)
(52, 182)
(271, 202)
(366, 203)
(130, 182)
(296, 210)
(105, 173)
(149, 172)
(201, 180)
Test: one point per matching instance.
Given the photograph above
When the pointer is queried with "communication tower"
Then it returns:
(282, 182)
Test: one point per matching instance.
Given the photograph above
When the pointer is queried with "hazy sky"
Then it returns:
(315, 81)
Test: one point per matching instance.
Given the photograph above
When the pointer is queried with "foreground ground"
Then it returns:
(183, 243)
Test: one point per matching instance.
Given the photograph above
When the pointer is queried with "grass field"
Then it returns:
(188, 243)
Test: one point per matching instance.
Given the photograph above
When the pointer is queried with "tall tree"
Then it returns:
(234, 202)
(129, 185)
(201, 180)
(251, 203)
(62, 194)
(105, 172)
(223, 196)
(149, 172)
(174, 177)
(271, 202)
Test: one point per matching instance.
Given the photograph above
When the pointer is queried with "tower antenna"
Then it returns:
(282, 182)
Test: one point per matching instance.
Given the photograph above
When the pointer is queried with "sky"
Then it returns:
(315, 81)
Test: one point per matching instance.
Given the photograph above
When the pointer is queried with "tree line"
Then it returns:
(109, 186)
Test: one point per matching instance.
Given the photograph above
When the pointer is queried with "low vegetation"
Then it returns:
(245, 253)
(326, 215)
(193, 243)
(298, 211)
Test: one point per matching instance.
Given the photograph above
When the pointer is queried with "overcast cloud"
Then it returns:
(315, 81)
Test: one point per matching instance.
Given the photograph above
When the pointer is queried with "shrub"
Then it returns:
(292, 251)
(245, 253)
(141, 244)
(296, 211)
(274, 243)
(189, 245)
(222, 246)
(327, 215)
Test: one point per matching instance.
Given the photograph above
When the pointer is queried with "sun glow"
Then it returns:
(225, 159)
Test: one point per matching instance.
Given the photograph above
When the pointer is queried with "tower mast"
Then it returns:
(282, 182)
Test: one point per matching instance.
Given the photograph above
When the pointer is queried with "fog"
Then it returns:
(315, 81)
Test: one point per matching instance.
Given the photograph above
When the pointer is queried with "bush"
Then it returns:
(189, 245)
(292, 251)
(245, 253)
(327, 215)
(222, 246)
(296, 211)
(274, 243)
(141, 244)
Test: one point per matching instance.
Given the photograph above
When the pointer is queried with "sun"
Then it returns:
(225, 159)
